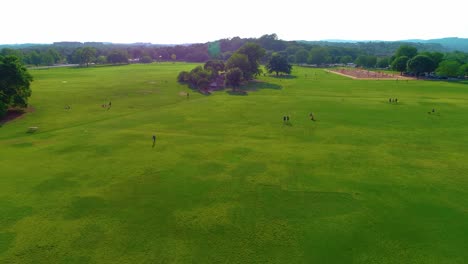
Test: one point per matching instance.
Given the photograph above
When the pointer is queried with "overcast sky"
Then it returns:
(190, 21)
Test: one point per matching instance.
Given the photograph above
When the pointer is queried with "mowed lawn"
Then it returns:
(227, 180)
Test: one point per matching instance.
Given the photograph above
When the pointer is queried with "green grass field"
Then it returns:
(227, 181)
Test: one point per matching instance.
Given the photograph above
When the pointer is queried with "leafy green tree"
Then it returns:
(278, 64)
(399, 64)
(406, 50)
(83, 55)
(436, 57)
(238, 60)
(197, 77)
(254, 53)
(146, 59)
(15, 83)
(118, 57)
(183, 77)
(87, 55)
(463, 71)
(420, 64)
(366, 61)
(47, 59)
(318, 56)
(448, 68)
(346, 59)
(101, 59)
(383, 62)
(234, 77)
(34, 58)
(301, 56)
(215, 66)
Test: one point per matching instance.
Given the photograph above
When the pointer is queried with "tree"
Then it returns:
(383, 63)
(234, 77)
(238, 60)
(118, 56)
(301, 56)
(366, 61)
(278, 64)
(346, 59)
(34, 58)
(448, 68)
(318, 56)
(146, 59)
(254, 53)
(463, 70)
(87, 55)
(420, 64)
(399, 64)
(83, 55)
(101, 59)
(47, 59)
(14, 83)
(406, 50)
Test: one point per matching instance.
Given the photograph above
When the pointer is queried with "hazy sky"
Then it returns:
(190, 21)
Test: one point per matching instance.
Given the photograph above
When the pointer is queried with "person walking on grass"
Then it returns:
(311, 115)
(154, 140)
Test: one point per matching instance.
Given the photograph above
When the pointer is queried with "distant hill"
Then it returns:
(452, 44)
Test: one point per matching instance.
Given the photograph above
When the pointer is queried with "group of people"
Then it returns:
(393, 100)
(286, 118)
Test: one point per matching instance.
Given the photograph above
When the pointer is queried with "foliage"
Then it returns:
(301, 56)
(366, 61)
(146, 59)
(240, 61)
(319, 56)
(254, 53)
(400, 63)
(463, 71)
(234, 77)
(15, 82)
(449, 68)
(118, 57)
(215, 66)
(406, 50)
(420, 64)
(383, 63)
(84, 55)
(278, 64)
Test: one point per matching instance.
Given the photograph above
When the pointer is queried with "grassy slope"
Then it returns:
(369, 182)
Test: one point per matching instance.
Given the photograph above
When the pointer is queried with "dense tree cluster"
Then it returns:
(407, 59)
(242, 65)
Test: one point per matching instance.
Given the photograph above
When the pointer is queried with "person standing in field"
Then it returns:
(154, 140)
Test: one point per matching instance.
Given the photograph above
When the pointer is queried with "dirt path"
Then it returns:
(359, 74)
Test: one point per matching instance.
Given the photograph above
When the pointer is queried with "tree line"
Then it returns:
(320, 53)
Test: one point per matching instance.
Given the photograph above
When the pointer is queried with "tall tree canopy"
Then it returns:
(399, 64)
(406, 50)
(254, 53)
(14, 83)
(278, 63)
(420, 64)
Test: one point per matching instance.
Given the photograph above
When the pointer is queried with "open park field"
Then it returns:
(227, 181)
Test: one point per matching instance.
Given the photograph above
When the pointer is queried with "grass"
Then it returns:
(228, 182)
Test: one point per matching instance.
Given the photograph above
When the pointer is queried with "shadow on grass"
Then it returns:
(282, 76)
(252, 87)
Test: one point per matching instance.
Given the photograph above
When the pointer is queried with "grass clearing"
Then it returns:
(368, 182)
